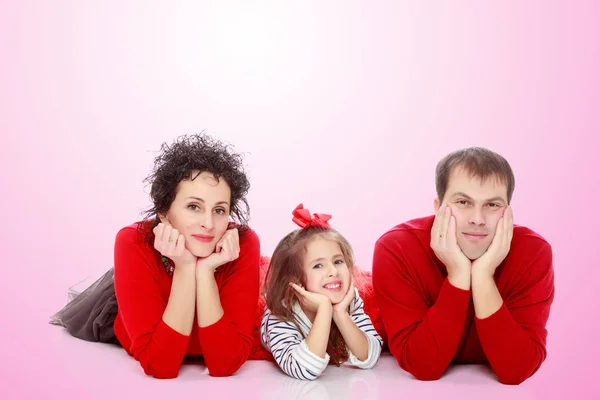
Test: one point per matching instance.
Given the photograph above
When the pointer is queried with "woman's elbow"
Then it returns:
(224, 369)
(161, 373)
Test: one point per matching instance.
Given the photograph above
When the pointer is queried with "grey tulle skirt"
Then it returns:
(91, 314)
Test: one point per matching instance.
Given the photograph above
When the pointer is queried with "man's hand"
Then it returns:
(445, 247)
(486, 265)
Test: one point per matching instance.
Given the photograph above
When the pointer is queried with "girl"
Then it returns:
(186, 278)
(314, 314)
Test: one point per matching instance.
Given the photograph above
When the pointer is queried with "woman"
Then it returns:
(186, 278)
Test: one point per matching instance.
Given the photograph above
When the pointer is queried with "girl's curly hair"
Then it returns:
(184, 159)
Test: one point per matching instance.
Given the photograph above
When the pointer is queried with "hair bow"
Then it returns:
(304, 220)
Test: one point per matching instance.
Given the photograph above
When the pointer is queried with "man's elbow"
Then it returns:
(427, 374)
(423, 372)
(519, 370)
(512, 377)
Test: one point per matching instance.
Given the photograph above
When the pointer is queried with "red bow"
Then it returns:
(303, 219)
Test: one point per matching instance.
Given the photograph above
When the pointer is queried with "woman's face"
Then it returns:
(200, 212)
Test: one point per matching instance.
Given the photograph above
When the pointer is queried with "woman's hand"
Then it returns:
(170, 243)
(226, 250)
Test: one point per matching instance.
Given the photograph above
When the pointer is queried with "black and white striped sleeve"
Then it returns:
(364, 323)
(289, 349)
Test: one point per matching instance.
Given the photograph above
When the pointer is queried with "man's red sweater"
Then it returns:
(430, 323)
(142, 287)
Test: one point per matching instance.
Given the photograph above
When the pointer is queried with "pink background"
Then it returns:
(345, 106)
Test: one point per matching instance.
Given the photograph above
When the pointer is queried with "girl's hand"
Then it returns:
(311, 301)
(342, 306)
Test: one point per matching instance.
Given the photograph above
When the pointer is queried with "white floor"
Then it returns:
(97, 371)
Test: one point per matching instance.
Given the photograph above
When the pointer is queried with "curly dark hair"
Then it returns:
(184, 159)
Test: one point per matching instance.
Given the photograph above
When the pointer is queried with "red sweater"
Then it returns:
(429, 323)
(142, 288)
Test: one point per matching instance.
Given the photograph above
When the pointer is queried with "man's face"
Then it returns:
(477, 206)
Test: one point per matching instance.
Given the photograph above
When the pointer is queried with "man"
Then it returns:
(465, 285)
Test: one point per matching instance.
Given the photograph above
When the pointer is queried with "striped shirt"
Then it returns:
(291, 352)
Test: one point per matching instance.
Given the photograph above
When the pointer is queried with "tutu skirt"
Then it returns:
(91, 314)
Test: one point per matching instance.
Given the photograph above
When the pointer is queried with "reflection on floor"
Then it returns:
(102, 370)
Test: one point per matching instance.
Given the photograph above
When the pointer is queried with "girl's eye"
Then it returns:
(338, 262)
(317, 266)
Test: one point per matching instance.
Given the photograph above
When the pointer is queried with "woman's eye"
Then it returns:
(220, 211)
(193, 207)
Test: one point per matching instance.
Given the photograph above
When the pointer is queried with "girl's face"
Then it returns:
(325, 269)
(200, 212)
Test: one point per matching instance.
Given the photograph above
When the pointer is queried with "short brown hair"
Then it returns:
(479, 162)
(286, 266)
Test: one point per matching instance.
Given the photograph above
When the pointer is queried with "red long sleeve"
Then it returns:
(430, 323)
(143, 287)
(159, 349)
(226, 344)
(423, 332)
(514, 338)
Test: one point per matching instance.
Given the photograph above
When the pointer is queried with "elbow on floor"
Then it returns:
(165, 374)
(508, 379)
(428, 375)
(425, 374)
(223, 370)
(307, 378)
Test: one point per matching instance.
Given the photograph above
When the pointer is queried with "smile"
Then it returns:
(475, 237)
(333, 286)
(203, 238)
